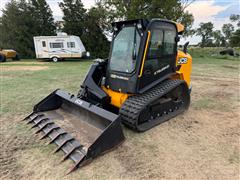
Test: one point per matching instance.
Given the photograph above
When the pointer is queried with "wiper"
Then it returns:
(134, 56)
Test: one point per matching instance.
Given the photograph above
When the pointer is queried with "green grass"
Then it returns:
(209, 66)
(20, 90)
(213, 52)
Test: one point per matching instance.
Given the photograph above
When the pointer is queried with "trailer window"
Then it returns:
(56, 45)
(71, 44)
(43, 43)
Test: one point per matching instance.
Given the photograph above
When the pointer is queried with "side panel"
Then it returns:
(184, 66)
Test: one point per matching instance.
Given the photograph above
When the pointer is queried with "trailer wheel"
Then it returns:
(2, 58)
(55, 59)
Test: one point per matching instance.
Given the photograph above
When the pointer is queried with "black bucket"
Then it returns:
(80, 129)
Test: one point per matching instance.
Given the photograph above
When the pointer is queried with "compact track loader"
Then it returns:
(144, 82)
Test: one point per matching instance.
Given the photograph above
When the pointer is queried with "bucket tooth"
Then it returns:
(57, 136)
(34, 117)
(38, 122)
(71, 151)
(54, 127)
(66, 139)
(28, 116)
(77, 164)
(44, 126)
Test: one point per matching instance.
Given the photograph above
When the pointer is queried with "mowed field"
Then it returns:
(202, 143)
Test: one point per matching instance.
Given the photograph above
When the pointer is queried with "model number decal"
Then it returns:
(161, 70)
(182, 60)
(114, 76)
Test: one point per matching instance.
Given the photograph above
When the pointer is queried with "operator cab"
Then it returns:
(143, 53)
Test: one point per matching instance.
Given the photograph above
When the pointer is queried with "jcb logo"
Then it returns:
(182, 61)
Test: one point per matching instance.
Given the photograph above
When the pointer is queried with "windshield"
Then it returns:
(125, 50)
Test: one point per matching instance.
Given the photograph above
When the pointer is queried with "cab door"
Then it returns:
(161, 54)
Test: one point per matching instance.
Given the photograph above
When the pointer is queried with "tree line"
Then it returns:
(225, 37)
(21, 20)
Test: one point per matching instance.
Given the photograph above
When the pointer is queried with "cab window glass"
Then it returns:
(156, 44)
(169, 42)
(162, 48)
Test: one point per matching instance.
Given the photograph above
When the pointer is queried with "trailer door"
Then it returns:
(71, 46)
(44, 46)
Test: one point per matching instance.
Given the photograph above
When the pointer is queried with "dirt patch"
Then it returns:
(23, 68)
(8, 159)
(12, 140)
(195, 145)
(20, 62)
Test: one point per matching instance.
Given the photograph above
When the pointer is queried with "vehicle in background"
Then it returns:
(8, 54)
(59, 47)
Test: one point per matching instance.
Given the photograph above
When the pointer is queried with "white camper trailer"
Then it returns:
(59, 47)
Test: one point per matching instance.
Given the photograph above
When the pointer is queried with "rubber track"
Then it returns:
(133, 106)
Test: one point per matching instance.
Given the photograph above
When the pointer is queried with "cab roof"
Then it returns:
(145, 22)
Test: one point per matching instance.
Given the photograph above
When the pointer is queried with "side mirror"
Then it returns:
(185, 47)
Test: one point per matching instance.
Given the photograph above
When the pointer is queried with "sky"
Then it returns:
(215, 11)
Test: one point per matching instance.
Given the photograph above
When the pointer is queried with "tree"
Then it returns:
(206, 32)
(187, 20)
(20, 22)
(43, 17)
(219, 39)
(74, 16)
(89, 26)
(136, 9)
(93, 37)
(235, 18)
(235, 39)
(17, 28)
(227, 30)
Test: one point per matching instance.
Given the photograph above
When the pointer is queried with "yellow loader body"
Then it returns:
(8, 53)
